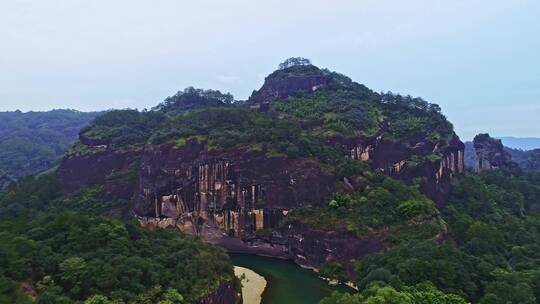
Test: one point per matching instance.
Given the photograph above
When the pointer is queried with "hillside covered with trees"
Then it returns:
(366, 187)
(33, 142)
(54, 255)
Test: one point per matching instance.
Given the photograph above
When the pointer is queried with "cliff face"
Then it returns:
(97, 169)
(240, 195)
(490, 153)
(238, 191)
(312, 248)
(393, 158)
(226, 293)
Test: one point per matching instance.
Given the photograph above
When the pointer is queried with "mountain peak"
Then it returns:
(297, 76)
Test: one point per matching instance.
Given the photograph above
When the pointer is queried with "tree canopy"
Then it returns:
(294, 61)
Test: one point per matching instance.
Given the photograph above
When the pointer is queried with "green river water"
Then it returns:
(288, 283)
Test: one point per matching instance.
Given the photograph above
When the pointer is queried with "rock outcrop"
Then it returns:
(393, 158)
(490, 153)
(278, 87)
(312, 248)
(226, 293)
(534, 160)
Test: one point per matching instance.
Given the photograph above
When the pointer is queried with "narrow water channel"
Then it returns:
(288, 283)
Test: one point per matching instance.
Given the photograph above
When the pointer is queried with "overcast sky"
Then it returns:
(479, 60)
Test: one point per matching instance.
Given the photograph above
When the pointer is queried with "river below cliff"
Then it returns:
(286, 281)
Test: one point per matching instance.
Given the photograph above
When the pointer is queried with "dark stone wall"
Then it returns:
(226, 293)
(93, 169)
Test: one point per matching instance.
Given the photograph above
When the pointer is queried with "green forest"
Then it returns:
(64, 256)
(491, 253)
(33, 142)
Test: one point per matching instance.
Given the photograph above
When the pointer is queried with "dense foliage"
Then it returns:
(31, 196)
(69, 257)
(406, 116)
(34, 142)
(191, 99)
(492, 252)
(121, 128)
(306, 124)
(382, 203)
(379, 294)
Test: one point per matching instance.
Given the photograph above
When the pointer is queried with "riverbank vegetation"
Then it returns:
(58, 256)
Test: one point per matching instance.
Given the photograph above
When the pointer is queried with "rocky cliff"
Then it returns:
(232, 174)
(490, 153)
(226, 293)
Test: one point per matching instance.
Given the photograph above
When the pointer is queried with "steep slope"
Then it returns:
(309, 145)
(35, 141)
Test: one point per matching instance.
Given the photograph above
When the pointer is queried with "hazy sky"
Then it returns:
(479, 60)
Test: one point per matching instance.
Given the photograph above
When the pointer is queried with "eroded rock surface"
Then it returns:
(490, 153)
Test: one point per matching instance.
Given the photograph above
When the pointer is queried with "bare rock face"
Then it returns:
(238, 191)
(490, 153)
(226, 293)
(96, 169)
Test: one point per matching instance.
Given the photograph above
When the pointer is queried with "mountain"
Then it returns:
(521, 143)
(364, 187)
(33, 142)
(234, 173)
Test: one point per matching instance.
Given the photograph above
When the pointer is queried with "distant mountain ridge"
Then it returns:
(32, 142)
(525, 159)
(521, 143)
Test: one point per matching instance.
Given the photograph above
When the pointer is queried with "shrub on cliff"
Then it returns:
(383, 203)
